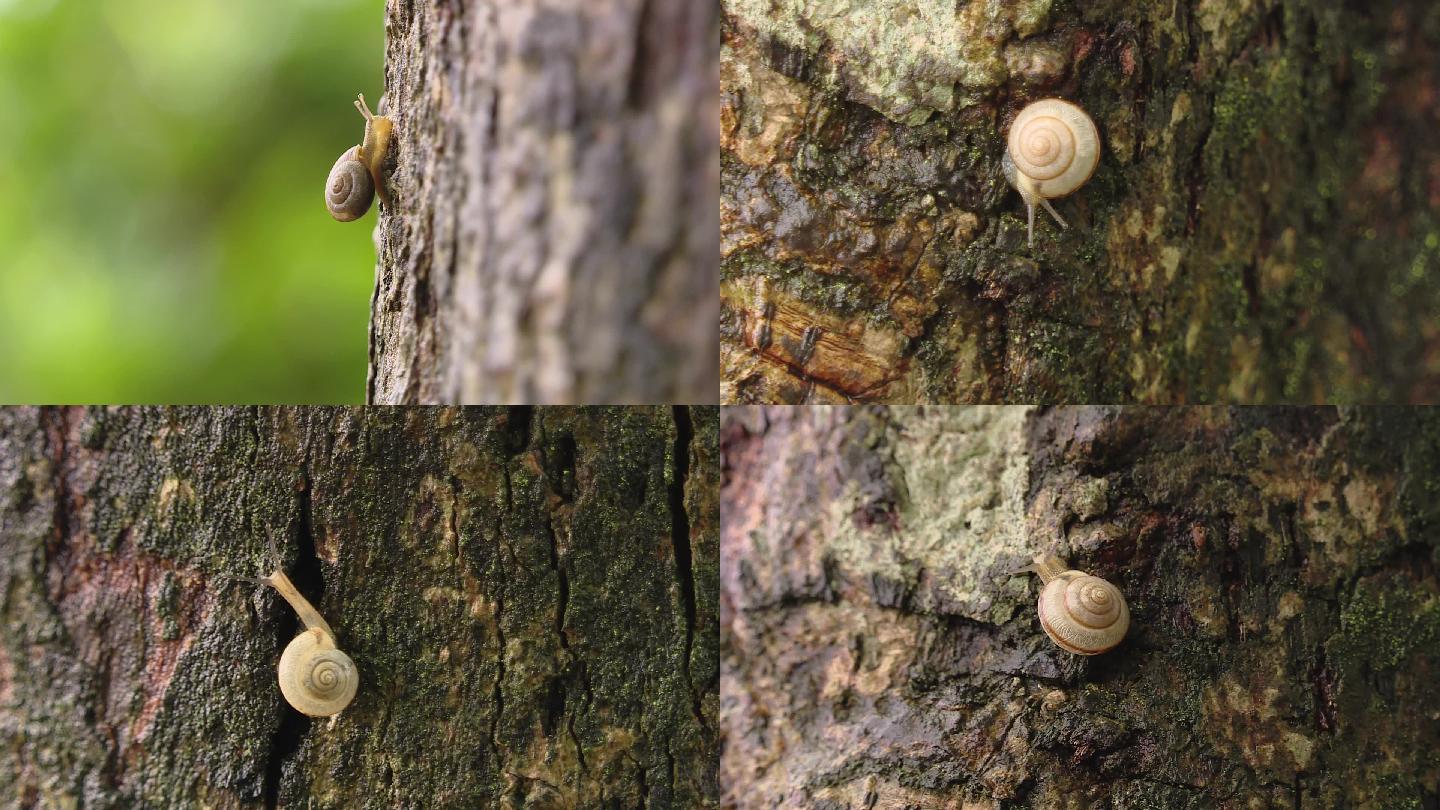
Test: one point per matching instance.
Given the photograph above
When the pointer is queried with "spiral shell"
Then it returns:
(1083, 614)
(350, 188)
(1054, 145)
(315, 678)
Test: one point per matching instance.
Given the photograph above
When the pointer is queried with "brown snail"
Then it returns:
(358, 175)
(1051, 150)
(1081, 613)
(315, 677)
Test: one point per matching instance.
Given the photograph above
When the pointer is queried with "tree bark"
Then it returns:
(1280, 565)
(1263, 226)
(556, 186)
(529, 597)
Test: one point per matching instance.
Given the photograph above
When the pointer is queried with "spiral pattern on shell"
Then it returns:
(350, 189)
(326, 674)
(1054, 144)
(317, 679)
(1083, 614)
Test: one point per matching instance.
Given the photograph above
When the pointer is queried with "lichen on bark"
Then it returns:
(1262, 227)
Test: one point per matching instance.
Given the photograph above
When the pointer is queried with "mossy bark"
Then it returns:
(1282, 567)
(529, 596)
(1264, 224)
(556, 189)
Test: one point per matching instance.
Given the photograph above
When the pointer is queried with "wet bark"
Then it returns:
(1263, 226)
(556, 184)
(529, 597)
(1280, 566)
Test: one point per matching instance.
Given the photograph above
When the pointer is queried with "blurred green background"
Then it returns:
(162, 171)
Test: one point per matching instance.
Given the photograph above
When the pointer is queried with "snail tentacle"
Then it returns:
(1052, 149)
(1056, 214)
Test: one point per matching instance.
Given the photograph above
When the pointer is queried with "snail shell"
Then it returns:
(1083, 614)
(1052, 149)
(315, 677)
(350, 188)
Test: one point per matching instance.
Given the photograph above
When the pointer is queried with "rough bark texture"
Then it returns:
(1280, 565)
(529, 595)
(1264, 224)
(556, 187)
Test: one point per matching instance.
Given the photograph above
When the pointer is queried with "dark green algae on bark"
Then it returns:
(528, 595)
(1264, 225)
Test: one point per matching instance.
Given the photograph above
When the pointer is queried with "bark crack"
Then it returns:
(498, 694)
(562, 600)
(670, 761)
(644, 783)
(283, 746)
(254, 436)
(680, 537)
(579, 750)
(457, 494)
(309, 580)
(562, 580)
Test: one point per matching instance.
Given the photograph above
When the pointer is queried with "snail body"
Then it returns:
(315, 676)
(1052, 149)
(1083, 614)
(358, 175)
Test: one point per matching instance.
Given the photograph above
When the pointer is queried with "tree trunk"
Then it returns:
(556, 185)
(1280, 565)
(529, 597)
(1263, 226)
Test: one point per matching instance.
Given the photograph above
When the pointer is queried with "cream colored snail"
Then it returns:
(1052, 149)
(1082, 613)
(358, 174)
(315, 677)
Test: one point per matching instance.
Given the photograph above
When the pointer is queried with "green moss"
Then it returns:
(1238, 109)
(1382, 625)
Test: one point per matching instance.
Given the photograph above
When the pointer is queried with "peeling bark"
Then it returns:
(556, 186)
(1282, 567)
(1264, 224)
(529, 595)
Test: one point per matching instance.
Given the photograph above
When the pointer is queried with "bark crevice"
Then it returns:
(680, 537)
(308, 577)
(498, 693)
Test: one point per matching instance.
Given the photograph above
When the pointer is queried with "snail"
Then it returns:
(357, 175)
(1083, 614)
(1052, 149)
(315, 677)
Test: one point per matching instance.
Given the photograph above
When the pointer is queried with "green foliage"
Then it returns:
(163, 167)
